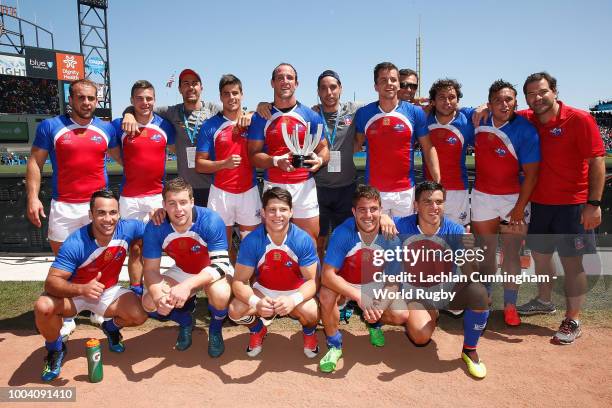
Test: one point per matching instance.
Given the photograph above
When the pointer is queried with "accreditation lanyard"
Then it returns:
(330, 137)
(191, 133)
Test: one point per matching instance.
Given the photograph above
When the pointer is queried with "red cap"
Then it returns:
(188, 71)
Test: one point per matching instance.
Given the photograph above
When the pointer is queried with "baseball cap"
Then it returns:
(188, 71)
(329, 72)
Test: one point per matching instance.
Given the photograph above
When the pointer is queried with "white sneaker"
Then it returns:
(96, 319)
(67, 328)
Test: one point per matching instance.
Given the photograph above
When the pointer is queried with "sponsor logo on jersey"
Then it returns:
(386, 121)
(347, 120)
(451, 140)
(500, 152)
(276, 256)
(399, 127)
(96, 139)
(156, 137)
(196, 248)
(463, 216)
(108, 255)
(288, 264)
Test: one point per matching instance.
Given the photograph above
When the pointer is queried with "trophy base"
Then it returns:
(297, 161)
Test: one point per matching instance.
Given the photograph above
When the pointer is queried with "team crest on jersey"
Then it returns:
(452, 140)
(463, 216)
(347, 120)
(500, 152)
(556, 131)
(288, 264)
(386, 121)
(276, 256)
(399, 127)
(96, 139)
(156, 137)
(196, 248)
(108, 255)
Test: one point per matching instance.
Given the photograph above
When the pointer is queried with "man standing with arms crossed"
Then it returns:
(222, 150)
(390, 128)
(144, 167)
(77, 144)
(566, 199)
(267, 149)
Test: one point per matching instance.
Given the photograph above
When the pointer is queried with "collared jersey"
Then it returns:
(270, 132)
(390, 139)
(221, 138)
(567, 142)
(144, 156)
(430, 255)
(83, 258)
(500, 153)
(451, 142)
(77, 156)
(190, 249)
(353, 258)
(277, 267)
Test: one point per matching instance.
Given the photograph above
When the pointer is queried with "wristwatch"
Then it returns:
(594, 203)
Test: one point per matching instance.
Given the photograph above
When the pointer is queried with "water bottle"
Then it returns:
(94, 360)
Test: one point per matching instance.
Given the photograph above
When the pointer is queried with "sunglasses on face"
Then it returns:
(404, 85)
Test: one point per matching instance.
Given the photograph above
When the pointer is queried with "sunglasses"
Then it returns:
(404, 85)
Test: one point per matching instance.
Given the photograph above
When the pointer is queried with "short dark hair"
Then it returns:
(177, 185)
(229, 79)
(85, 82)
(444, 83)
(278, 193)
(280, 65)
(428, 186)
(102, 194)
(366, 191)
(498, 86)
(142, 84)
(552, 81)
(383, 66)
(408, 72)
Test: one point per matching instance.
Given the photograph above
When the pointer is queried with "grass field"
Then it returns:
(17, 299)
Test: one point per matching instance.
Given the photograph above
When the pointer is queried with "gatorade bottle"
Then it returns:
(94, 360)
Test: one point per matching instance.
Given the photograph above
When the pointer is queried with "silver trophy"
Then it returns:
(299, 154)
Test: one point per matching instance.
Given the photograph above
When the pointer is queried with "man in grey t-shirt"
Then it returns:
(187, 117)
(335, 180)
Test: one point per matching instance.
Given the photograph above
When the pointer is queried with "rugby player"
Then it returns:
(267, 148)
(390, 128)
(222, 151)
(194, 237)
(144, 167)
(507, 154)
(348, 275)
(281, 260)
(429, 225)
(77, 144)
(85, 275)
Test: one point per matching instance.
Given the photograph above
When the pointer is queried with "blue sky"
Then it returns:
(475, 42)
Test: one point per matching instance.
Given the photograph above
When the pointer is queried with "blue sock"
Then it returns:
(375, 325)
(110, 325)
(510, 296)
(309, 331)
(473, 325)
(216, 319)
(157, 316)
(182, 317)
(335, 340)
(257, 327)
(55, 345)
